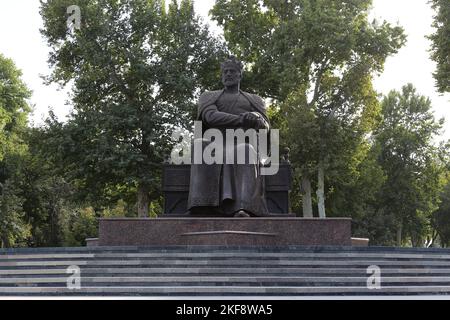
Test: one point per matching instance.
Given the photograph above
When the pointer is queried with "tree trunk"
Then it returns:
(321, 190)
(5, 242)
(399, 236)
(415, 240)
(53, 227)
(143, 200)
(306, 197)
(434, 236)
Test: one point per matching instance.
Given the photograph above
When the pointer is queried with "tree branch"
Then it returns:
(317, 83)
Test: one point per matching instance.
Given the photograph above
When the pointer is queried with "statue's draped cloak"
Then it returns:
(230, 187)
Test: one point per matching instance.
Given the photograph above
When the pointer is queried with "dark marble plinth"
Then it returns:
(224, 231)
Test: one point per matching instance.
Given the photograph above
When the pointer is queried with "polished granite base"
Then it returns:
(224, 231)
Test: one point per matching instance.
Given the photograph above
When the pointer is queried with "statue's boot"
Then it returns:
(241, 214)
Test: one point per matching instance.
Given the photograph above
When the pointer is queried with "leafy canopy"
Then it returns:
(137, 70)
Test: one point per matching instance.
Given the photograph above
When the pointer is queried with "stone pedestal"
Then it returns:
(224, 231)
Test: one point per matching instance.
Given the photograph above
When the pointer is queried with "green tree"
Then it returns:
(82, 224)
(13, 230)
(14, 110)
(355, 191)
(410, 162)
(46, 193)
(440, 47)
(315, 59)
(137, 70)
(441, 217)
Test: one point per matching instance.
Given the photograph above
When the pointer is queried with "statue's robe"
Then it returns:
(224, 189)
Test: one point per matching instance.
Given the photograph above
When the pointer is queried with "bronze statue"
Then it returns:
(229, 189)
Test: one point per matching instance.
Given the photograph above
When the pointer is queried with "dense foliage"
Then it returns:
(440, 50)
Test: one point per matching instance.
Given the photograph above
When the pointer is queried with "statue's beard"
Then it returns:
(231, 83)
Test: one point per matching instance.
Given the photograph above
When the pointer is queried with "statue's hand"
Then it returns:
(252, 120)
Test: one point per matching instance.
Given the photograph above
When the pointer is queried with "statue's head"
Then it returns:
(231, 72)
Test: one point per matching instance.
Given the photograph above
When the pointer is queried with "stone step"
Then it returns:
(220, 249)
(221, 280)
(224, 262)
(204, 271)
(184, 255)
(222, 271)
(224, 290)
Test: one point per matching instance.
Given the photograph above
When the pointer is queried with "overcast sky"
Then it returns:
(20, 40)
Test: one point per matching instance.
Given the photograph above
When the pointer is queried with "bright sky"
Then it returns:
(20, 40)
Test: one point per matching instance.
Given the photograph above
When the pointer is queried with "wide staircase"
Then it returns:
(213, 271)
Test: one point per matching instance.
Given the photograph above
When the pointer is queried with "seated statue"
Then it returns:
(230, 189)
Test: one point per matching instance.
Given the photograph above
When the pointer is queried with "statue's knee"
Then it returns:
(245, 147)
(246, 151)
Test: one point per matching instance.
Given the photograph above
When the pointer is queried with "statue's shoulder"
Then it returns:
(257, 100)
(209, 96)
